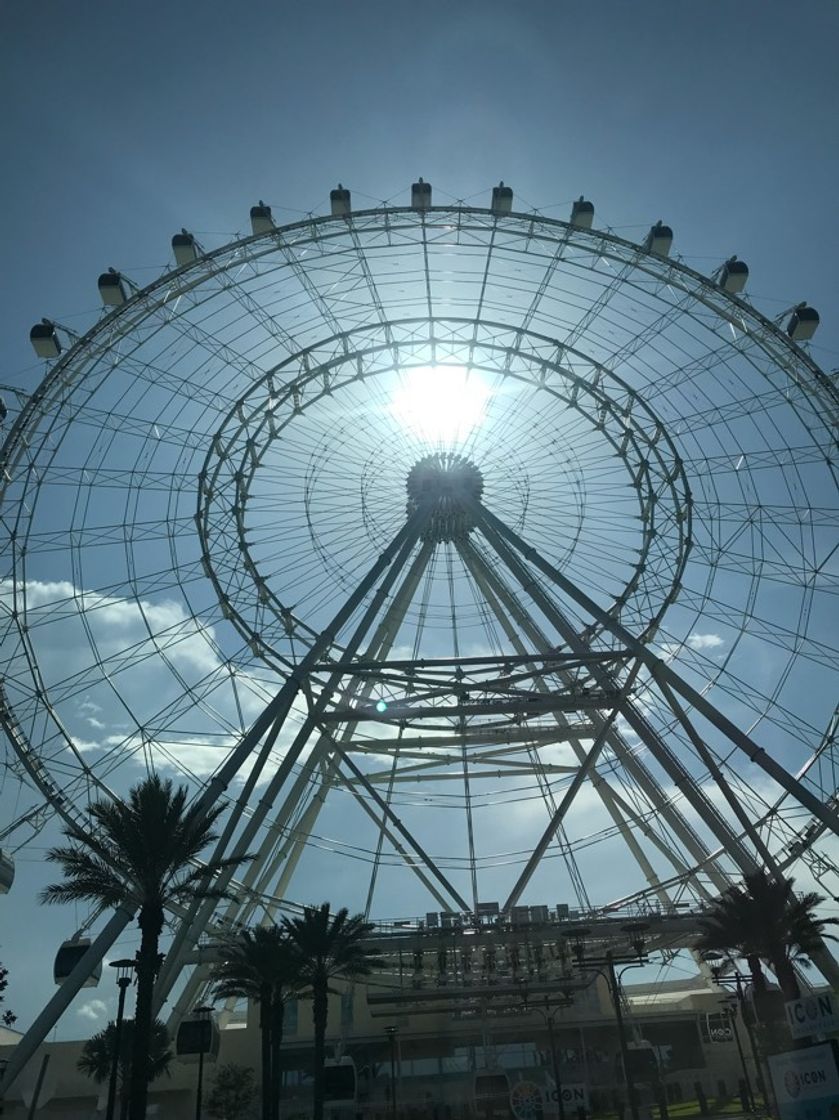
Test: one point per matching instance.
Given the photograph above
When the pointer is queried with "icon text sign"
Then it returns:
(816, 1014)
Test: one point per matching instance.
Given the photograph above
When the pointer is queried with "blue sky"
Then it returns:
(124, 124)
(128, 123)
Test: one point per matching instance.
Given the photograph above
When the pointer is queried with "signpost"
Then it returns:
(816, 1014)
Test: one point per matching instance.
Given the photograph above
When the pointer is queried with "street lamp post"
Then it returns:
(730, 1004)
(605, 966)
(549, 1020)
(548, 1012)
(614, 985)
(391, 1033)
(125, 972)
(203, 1013)
(737, 978)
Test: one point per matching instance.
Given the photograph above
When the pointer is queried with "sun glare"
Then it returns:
(440, 404)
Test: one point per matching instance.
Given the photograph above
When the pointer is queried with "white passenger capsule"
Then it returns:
(420, 194)
(184, 248)
(261, 220)
(582, 213)
(502, 199)
(803, 323)
(111, 289)
(340, 201)
(68, 956)
(733, 275)
(659, 240)
(44, 339)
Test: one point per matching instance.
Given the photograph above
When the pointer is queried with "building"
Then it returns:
(443, 1056)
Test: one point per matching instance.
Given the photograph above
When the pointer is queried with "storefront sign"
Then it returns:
(526, 1100)
(817, 1014)
(806, 1082)
(529, 1100)
(574, 1096)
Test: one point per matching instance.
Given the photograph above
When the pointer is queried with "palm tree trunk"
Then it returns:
(277, 1015)
(151, 924)
(320, 1003)
(760, 990)
(265, 1048)
(757, 974)
(786, 978)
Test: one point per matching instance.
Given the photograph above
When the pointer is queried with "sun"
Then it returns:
(440, 405)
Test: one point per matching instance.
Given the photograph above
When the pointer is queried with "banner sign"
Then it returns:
(574, 1096)
(818, 1014)
(806, 1082)
(530, 1100)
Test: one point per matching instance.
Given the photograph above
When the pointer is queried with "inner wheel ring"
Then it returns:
(585, 412)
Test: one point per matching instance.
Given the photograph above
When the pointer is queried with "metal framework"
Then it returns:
(572, 644)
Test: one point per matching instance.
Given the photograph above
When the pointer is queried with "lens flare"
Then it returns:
(441, 405)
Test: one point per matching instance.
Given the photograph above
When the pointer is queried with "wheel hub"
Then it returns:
(452, 485)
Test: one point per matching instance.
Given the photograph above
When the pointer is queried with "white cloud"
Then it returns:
(704, 641)
(115, 665)
(114, 628)
(94, 1010)
(699, 643)
(84, 745)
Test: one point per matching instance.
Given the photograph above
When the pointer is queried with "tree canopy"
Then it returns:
(233, 1093)
(97, 1056)
(7, 1017)
(264, 965)
(143, 853)
(331, 947)
(765, 922)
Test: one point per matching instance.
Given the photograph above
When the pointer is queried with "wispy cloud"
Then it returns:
(94, 1010)
(704, 641)
(699, 643)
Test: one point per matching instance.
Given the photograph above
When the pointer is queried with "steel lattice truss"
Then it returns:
(557, 650)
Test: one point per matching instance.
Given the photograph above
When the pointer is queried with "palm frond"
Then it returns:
(764, 918)
(84, 890)
(142, 849)
(97, 1055)
(257, 963)
(332, 945)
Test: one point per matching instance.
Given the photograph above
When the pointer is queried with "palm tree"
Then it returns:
(331, 947)
(7, 1017)
(232, 1094)
(765, 922)
(141, 853)
(97, 1057)
(262, 965)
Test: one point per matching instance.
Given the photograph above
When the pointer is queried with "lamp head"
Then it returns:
(125, 968)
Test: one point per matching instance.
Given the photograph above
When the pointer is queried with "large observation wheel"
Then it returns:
(466, 555)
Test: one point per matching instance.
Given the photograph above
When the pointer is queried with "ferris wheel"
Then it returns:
(470, 558)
